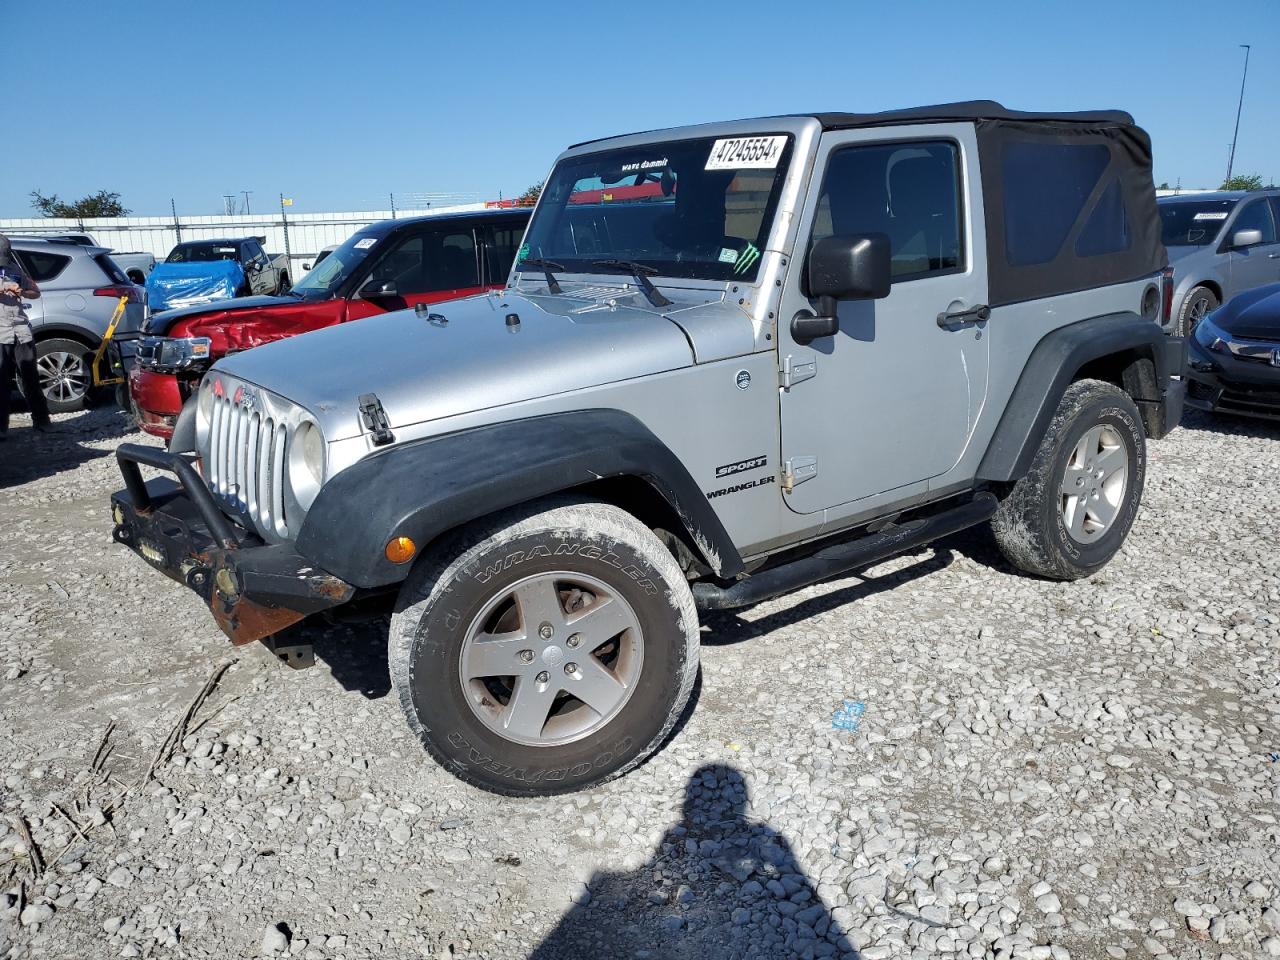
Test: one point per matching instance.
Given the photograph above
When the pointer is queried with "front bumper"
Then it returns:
(253, 589)
(1224, 384)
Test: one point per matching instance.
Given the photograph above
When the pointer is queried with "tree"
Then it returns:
(1242, 182)
(104, 203)
(1163, 186)
(530, 196)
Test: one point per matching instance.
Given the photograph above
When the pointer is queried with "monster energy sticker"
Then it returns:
(746, 259)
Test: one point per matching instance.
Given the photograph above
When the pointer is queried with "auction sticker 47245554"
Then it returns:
(746, 153)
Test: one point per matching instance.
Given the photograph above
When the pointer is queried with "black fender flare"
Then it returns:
(1053, 365)
(423, 488)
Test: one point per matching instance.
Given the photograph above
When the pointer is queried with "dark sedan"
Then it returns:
(1234, 356)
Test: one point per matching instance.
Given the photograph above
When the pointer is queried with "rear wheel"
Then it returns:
(1197, 304)
(1072, 511)
(62, 367)
(546, 650)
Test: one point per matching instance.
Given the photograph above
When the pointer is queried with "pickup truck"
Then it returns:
(731, 360)
(384, 266)
(202, 271)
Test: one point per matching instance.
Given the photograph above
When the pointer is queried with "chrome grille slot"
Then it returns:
(244, 464)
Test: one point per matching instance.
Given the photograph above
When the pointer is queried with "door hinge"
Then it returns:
(796, 371)
(797, 470)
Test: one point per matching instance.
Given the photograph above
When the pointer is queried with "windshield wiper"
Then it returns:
(640, 272)
(546, 266)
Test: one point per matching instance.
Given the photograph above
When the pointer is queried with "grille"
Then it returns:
(245, 465)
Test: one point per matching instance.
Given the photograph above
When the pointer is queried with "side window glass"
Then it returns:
(402, 265)
(39, 266)
(1107, 230)
(1046, 187)
(503, 241)
(1256, 216)
(451, 261)
(908, 191)
(1275, 208)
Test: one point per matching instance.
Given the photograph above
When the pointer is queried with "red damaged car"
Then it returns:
(385, 266)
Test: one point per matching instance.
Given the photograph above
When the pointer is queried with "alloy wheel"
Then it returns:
(1094, 483)
(63, 376)
(551, 658)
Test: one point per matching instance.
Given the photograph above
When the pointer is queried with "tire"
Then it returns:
(474, 722)
(1043, 526)
(65, 378)
(1195, 306)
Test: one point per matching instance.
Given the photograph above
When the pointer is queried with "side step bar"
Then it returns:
(886, 542)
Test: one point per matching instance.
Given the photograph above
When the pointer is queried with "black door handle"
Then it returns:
(976, 314)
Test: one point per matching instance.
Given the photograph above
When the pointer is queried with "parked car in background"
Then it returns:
(384, 266)
(202, 271)
(320, 257)
(136, 265)
(1220, 244)
(79, 288)
(1233, 360)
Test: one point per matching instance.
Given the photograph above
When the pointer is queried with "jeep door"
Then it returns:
(1258, 264)
(892, 399)
(423, 265)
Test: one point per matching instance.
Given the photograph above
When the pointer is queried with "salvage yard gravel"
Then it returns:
(938, 757)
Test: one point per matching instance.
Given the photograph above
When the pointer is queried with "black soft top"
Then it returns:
(966, 110)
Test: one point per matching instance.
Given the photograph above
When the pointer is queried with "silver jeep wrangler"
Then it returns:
(731, 360)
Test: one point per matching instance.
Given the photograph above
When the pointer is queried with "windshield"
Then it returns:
(1193, 223)
(684, 208)
(201, 252)
(337, 267)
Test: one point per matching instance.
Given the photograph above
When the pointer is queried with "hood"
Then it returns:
(423, 369)
(158, 324)
(1254, 315)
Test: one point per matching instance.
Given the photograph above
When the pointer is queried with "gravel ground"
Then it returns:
(937, 758)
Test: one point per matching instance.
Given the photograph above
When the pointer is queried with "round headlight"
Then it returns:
(306, 463)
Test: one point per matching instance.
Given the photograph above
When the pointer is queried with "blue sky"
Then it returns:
(337, 103)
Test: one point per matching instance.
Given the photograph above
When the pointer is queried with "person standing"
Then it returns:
(17, 347)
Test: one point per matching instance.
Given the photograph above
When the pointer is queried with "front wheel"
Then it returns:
(1072, 511)
(546, 650)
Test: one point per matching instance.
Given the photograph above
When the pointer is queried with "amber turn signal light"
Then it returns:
(401, 549)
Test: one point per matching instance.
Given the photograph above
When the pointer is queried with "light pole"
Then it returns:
(1240, 106)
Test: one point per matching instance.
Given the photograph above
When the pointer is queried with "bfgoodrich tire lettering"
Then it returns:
(1032, 523)
(457, 582)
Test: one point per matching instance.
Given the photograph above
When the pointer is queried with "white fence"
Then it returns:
(301, 235)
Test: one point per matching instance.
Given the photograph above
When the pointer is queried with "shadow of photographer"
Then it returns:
(718, 884)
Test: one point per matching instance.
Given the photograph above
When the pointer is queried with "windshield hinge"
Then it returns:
(375, 419)
(796, 470)
(797, 371)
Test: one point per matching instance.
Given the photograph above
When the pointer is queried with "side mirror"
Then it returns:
(1246, 238)
(848, 267)
(306, 266)
(378, 288)
(257, 267)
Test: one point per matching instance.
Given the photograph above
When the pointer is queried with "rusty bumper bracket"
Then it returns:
(253, 589)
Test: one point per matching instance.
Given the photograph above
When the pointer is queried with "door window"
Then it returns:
(430, 261)
(501, 242)
(1256, 216)
(41, 267)
(907, 191)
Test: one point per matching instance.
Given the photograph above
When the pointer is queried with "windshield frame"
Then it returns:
(682, 270)
(1224, 205)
